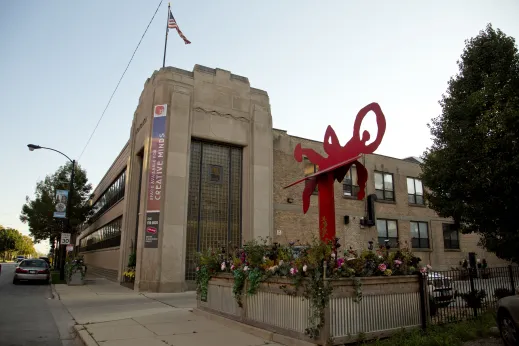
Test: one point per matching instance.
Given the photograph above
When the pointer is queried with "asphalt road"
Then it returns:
(28, 314)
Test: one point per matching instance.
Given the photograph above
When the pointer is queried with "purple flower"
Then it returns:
(340, 262)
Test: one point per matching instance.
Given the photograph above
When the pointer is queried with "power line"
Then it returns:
(118, 83)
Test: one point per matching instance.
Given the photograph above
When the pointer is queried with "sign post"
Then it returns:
(155, 176)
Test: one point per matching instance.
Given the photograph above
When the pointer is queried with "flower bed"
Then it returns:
(313, 294)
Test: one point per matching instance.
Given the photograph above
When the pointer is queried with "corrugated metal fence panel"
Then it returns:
(220, 298)
(374, 313)
(280, 310)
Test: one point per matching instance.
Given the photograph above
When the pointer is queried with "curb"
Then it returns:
(84, 336)
(54, 292)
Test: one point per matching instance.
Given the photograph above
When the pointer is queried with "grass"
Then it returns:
(55, 277)
(452, 334)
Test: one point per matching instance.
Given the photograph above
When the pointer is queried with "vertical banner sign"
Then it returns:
(61, 204)
(155, 174)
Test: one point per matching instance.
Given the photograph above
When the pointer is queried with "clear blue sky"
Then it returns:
(320, 62)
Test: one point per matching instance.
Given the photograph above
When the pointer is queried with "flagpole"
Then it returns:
(166, 41)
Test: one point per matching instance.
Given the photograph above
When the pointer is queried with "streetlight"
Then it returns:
(33, 147)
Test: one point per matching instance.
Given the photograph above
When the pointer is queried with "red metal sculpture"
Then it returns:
(336, 165)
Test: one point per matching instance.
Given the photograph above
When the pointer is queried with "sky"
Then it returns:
(319, 61)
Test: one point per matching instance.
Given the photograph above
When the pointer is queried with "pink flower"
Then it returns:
(197, 268)
(293, 271)
(382, 267)
(398, 262)
(340, 262)
(233, 267)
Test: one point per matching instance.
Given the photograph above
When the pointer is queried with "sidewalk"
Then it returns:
(108, 314)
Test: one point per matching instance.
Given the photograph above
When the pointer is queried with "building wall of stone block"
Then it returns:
(291, 224)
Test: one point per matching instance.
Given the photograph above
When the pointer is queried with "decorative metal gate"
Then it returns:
(214, 206)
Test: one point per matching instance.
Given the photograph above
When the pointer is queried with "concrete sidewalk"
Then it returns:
(108, 314)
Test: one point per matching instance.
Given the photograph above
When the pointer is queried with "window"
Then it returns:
(420, 235)
(414, 191)
(113, 194)
(384, 186)
(349, 185)
(450, 237)
(107, 236)
(387, 230)
(310, 169)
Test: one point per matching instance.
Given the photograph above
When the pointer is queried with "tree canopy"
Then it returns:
(38, 213)
(471, 170)
(12, 241)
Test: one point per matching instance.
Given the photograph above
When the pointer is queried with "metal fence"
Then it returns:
(457, 295)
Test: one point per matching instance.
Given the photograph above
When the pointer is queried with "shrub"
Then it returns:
(502, 292)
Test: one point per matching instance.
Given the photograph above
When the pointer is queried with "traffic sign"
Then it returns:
(65, 238)
(70, 248)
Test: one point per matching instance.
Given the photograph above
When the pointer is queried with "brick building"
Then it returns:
(203, 168)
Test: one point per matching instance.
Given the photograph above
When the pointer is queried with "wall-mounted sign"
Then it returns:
(61, 204)
(155, 176)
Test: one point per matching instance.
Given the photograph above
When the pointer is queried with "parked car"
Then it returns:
(19, 259)
(46, 259)
(32, 270)
(440, 291)
(508, 319)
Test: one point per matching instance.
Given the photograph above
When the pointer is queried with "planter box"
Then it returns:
(388, 305)
(75, 279)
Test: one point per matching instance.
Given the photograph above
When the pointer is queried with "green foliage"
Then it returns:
(75, 265)
(452, 334)
(13, 242)
(38, 213)
(202, 280)
(132, 260)
(471, 168)
(473, 299)
(9, 238)
(239, 283)
(502, 293)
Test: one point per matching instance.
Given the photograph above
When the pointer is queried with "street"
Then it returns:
(29, 316)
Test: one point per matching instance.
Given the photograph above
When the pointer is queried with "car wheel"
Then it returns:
(508, 329)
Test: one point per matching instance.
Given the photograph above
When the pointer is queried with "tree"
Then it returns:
(39, 212)
(471, 170)
(9, 238)
(25, 246)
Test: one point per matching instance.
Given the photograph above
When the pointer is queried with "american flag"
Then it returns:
(172, 24)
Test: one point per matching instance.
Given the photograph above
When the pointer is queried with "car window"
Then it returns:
(33, 263)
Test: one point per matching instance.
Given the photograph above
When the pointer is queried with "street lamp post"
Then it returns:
(33, 147)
